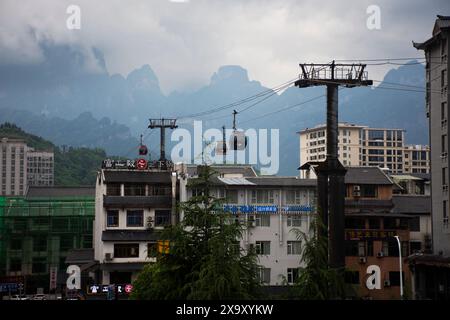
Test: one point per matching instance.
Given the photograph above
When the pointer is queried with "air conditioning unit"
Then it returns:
(108, 256)
(362, 259)
(356, 191)
(380, 254)
(387, 283)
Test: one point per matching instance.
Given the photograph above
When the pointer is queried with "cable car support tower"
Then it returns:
(331, 173)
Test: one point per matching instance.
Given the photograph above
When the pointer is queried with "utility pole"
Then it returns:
(163, 124)
(331, 173)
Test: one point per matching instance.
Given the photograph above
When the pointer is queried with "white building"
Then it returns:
(131, 207)
(364, 146)
(13, 167)
(271, 207)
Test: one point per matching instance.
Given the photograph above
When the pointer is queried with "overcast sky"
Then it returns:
(185, 43)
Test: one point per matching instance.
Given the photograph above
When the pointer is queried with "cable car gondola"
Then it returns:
(143, 150)
(221, 146)
(238, 140)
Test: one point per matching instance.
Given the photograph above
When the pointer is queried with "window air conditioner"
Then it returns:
(108, 256)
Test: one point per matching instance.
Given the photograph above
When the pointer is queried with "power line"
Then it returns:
(239, 102)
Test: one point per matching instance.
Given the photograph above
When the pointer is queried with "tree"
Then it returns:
(316, 281)
(205, 260)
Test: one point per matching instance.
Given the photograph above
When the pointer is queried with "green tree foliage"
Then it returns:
(73, 166)
(205, 260)
(316, 281)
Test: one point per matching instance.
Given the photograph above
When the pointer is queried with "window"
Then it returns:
(264, 275)
(112, 218)
(87, 241)
(262, 196)
(66, 243)
(414, 224)
(294, 247)
(39, 244)
(15, 244)
(294, 221)
(113, 189)
(162, 218)
(232, 196)
(262, 220)
(390, 248)
(293, 197)
(444, 143)
(134, 189)
(376, 134)
(415, 246)
(394, 278)
(369, 191)
(355, 223)
(351, 277)
(135, 218)
(374, 223)
(444, 176)
(160, 191)
(262, 247)
(15, 265)
(39, 265)
(127, 250)
(292, 275)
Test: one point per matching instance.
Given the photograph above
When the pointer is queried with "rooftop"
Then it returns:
(367, 175)
(412, 204)
(244, 170)
(56, 192)
(136, 176)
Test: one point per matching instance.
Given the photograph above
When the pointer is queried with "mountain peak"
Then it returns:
(230, 73)
(143, 78)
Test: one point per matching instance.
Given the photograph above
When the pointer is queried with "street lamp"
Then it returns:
(400, 262)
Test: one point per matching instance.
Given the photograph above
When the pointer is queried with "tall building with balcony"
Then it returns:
(13, 167)
(132, 207)
(432, 271)
(40, 168)
(22, 166)
(364, 146)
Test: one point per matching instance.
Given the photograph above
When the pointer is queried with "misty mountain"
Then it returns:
(70, 98)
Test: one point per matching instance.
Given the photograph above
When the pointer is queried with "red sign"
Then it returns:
(128, 288)
(141, 164)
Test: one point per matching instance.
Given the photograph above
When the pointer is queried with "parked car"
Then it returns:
(39, 296)
(18, 297)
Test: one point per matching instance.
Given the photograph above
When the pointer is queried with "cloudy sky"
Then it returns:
(185, 42)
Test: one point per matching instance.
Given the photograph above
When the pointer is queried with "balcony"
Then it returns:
(137, 201)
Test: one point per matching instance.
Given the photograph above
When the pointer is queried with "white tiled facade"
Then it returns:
(272, 229)
(364, 146)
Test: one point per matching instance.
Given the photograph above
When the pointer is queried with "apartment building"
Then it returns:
(134, 201)
(371, 224)
(271, 208)
(22, 166)
(416, 159)
(39, 229)
(364, 146)
(40, 168)
(432, 271)
(13, 167)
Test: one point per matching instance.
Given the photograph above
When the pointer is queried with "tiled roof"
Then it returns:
(366, 175)
(412, 204)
